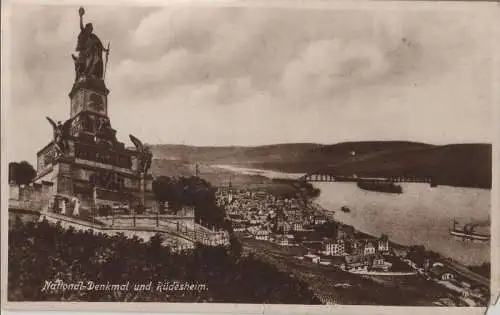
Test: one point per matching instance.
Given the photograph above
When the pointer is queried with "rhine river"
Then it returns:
(421, 215)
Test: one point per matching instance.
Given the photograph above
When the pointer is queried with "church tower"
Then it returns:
(85, 160)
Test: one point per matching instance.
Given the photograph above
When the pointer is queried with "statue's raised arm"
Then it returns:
(81, 12)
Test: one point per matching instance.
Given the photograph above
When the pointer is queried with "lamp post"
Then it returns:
(158, 217)
(133, 214)
(94, 203)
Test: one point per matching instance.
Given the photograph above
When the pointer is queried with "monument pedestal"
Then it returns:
(94, 157)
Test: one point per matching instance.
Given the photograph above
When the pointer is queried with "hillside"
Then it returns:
(467, 165)
(234, 154)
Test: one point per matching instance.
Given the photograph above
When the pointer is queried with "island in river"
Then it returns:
(385, 187)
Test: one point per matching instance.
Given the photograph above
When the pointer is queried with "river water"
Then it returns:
(421, 215)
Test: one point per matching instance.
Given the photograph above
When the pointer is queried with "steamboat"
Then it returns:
(467, 232)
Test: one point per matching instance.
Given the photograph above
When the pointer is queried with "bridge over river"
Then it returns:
(326, 177)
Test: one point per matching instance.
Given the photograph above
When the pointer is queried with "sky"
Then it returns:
(214, 76)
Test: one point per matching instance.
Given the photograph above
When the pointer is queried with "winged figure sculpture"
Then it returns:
(138, 144)
(61, 133)
(145, 156)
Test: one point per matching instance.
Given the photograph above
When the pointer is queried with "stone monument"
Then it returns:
(84, 160)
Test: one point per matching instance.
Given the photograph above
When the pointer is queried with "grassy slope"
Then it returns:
(466, 165)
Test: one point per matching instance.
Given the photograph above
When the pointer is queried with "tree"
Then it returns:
(21, 173)
(235, 247)
(75, 255)
(418, 254)
(104, 210)
(140, 208)
(190, 192)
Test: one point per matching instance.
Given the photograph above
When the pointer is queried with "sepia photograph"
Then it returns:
(254, 154)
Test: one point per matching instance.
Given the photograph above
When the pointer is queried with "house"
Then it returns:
(282, 240)
(383, 243)
(341, 234)
(319, 219)
(309, 218)
(441, 273)
(313, 258)
(262, 235)
(252, 229)
(355, 262)
(297, 226)
(238, 227)
(378, 262)
(334, 248)
(282, 224)
(447, 276)
(290, 238)
(254, 221)
(369, 249)
(236, 218)
(353, 247)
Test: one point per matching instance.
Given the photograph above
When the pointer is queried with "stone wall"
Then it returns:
(14, 192)
(35, 196)
(143, 232)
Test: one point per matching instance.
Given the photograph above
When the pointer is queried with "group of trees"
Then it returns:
(418, 254)
(194, 192)
(39, 251)
(327, 229)
(291, 188)
(21, 173)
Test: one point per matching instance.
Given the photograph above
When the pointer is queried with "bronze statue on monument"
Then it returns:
(88, 56)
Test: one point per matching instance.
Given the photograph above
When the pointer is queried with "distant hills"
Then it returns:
(466, 165)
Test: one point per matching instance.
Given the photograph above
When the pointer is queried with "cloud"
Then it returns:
(173, 27)
(174, 68)
(181, 46)
(329, 65)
